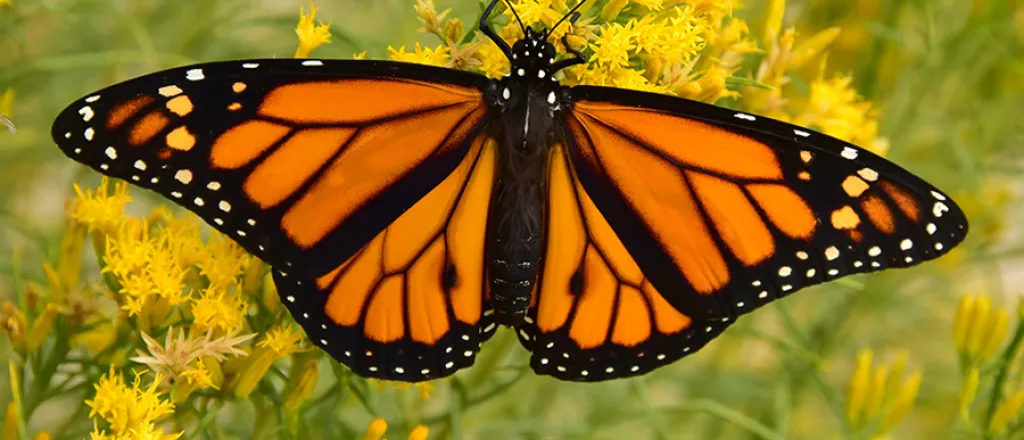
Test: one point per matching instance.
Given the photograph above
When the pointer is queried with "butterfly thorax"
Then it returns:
(527, 100)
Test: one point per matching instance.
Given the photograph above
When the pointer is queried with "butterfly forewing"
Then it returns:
(726, 211)
(300, 161)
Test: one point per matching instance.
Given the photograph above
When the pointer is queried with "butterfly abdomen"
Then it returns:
(516, 235)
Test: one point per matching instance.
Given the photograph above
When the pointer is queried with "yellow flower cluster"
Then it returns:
(131, 411)
(690, 49)
(879, 396)
(979, 331)
(172, 285)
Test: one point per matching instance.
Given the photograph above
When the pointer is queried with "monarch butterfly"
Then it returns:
(408, 210)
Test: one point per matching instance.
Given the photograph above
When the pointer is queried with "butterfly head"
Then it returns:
(532, 55)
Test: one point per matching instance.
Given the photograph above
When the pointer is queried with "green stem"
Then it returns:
(43, 377)
(1005, 360)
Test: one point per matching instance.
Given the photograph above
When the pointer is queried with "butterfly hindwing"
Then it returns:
(300, 161)
(596, 316)
(409, 305)
(725, 211)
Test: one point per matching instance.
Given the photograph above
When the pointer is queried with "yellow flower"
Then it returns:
(130, 410)
(223, 261)
(1007, 411)
(880, 394)
(7, 105)
(100, 209)
(283, 340)
(612, 47)
(420, 432)
(10, 425)
(376, 430)
(535, 11)
(978, 331)
(492, 61)
(434, 57)
(311, 35)
(199, 375)
(219, 308)
(837, 109)
(429, 17)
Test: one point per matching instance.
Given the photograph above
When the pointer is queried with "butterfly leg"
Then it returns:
(485, 27)
(577, 56)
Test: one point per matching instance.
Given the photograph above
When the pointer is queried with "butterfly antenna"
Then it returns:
(521, 25)
(572, 13)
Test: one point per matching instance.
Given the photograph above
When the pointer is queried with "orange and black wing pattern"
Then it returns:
(409, 305)
(302, 162)
(595, 315)
(667, 219)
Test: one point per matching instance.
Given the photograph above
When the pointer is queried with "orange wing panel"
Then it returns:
(596, 304)
(734, 217)
(125, 110)
(706, 147)
(788, 211)
(373, 160)
(660, 194)
(245, 142)
(385, 320)
(295, 162)
(360, 100)
(632, 319)
(399, 278)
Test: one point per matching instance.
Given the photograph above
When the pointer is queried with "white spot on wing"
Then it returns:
(309, 63)
(801, 133)
(195, 75)
(86, 113)
(849, 153)
(183, 176)
(89, 133)
(250, 65)
(906, 244)
(939, 209)
(938, 196)
(875, 251)
(140, 165)
(868, 174)
(745, 116)
(111, 153)
(92, 99)
(831, 253)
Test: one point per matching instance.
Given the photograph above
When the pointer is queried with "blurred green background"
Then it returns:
(947, 77)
